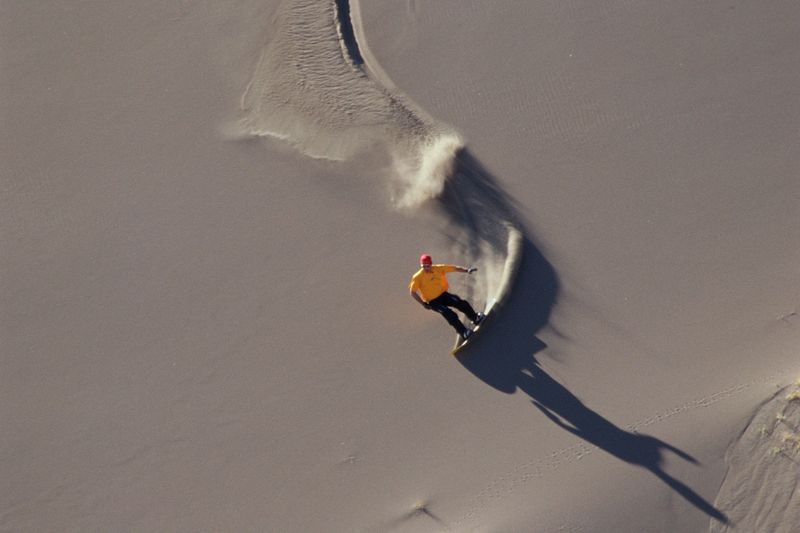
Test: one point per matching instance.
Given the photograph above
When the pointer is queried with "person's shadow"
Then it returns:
(504, 356)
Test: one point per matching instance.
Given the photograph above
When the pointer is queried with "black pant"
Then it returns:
(441, 304)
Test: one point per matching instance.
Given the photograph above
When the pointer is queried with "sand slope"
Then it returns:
(206, 329)
(760, 487)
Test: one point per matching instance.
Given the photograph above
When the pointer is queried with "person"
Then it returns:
(429, 288)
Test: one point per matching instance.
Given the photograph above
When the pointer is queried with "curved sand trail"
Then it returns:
(318, 88)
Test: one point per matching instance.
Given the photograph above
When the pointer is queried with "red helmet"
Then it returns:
(425, 259)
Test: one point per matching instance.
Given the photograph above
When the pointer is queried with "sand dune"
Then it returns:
(211, 212)
(759, 490)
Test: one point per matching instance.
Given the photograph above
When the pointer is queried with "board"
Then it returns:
(461, 344)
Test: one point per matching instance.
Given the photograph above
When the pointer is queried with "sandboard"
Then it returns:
(460, 343)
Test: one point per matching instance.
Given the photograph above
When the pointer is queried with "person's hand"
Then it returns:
(470, 270)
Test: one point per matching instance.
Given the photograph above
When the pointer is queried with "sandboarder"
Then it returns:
(429, 287)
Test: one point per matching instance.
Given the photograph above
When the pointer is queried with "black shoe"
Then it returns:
(478, 319)
(466, 334)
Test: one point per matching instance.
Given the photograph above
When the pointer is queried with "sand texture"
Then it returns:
(211, 212)
(760, 489)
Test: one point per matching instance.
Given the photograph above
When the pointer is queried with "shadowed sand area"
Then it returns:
(210, 213)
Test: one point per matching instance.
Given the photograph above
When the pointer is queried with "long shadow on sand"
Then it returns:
(504, 356)
(506, 361)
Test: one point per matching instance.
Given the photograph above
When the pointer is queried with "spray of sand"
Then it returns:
(420, 172)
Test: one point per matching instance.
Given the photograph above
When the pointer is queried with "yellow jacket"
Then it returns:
(431, 285)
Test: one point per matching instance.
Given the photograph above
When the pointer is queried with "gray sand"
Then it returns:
(207, 328)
